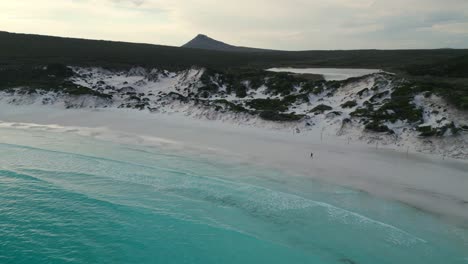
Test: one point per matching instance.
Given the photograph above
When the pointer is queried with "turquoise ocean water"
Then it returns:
(66, 198)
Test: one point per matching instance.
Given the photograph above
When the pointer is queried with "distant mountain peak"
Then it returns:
(202, 41)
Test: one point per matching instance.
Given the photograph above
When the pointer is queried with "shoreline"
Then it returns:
(419, 180)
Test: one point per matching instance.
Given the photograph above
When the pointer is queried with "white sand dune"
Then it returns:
(423, 181)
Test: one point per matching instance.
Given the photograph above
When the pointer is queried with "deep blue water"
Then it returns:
(71, 199)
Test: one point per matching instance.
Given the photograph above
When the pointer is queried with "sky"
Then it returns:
(272, 24)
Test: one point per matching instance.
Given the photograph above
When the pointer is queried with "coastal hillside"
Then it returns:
(419, 100)
(379, 108)
(37, 50)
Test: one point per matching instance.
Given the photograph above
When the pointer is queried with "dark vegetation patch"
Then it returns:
(399, 106)
(453, 68)
(426, 131)
(429, 131)
(377, 127)
(283, 83)
(321, 108)
(349, 104)
(208, 85)
(379, 96)
(309, 76)
(456, 92)
(336, 113)
(268, 105)
(296, 98)
(315, 87)
(240, 80)
(178, 97)
(53, 78)
(399, 109)
(275, 104)
(361, 112)
(240, 89)
(232, 106)
(134, 98)
(275, 116)
(363, 91)
(234, 79)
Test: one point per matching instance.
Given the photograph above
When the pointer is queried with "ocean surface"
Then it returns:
(68, 198)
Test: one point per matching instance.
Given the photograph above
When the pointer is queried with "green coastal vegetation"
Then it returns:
(30, 62)
(52, 78)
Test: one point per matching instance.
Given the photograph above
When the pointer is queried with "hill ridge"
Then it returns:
(202, 41)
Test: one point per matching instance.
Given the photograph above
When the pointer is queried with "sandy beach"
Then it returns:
(418, 180)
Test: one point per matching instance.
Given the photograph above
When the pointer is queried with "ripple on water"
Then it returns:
(78, 200)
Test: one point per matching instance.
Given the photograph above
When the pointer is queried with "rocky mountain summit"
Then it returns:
(202, 41)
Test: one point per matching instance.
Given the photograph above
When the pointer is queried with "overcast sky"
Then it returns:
(275, 24)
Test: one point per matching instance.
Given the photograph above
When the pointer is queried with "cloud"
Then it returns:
(280, 24)
(452, 28)
(135, 2)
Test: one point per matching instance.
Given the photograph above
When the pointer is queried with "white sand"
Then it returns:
(426, 182)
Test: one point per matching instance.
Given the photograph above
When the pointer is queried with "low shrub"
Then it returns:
(275, 116)
(268, 105)
(232, 106)
(349, 104)
(321, 108)
(376, 127)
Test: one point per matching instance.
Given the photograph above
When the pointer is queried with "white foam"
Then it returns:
(284, 201)
(383, 172)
